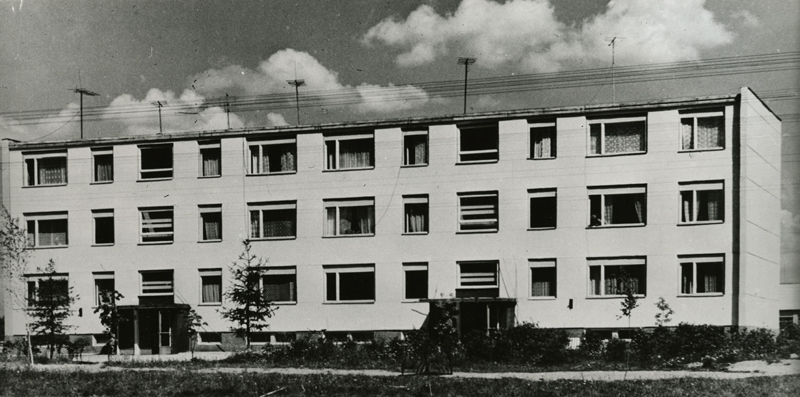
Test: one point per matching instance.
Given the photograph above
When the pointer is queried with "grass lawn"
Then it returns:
(24, 382)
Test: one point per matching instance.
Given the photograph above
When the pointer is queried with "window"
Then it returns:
(157, 282)
(702, 202)
(415, 148)
(279, 284)
(416, 275)
(702, 275)
(210, 222)
(156, 162)
(702, 131)
(623, 205)
(416, 214)
(543, 208)
(103, 227)
(349, 151)
(42, 169)
(619, 135)
(350, 283)
(55, 284)
(103, 287)
(156, 225)
(273, 220)
(543, 141)
(478, 279)
(477, 212)
(613, 276)
(210, 159)
(211, 286)
(103, 165)
(350, 217)
(543, 277)
(210, 337)
(478, 143)
(47, 229)
(275, 156)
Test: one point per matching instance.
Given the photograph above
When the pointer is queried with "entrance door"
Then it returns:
(164, 332)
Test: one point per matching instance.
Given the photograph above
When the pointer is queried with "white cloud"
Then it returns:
(527, 34)
(390, 98)
(63, 125)
(747, 18)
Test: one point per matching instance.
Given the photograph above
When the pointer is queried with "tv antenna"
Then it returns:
(82, 92)
(297, 83)
(466, 62)
(159, 105)
(613, 45)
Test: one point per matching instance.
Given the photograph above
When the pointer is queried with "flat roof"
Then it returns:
(383, 123)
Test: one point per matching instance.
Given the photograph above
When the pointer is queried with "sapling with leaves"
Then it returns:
(628, 288)
(50, 307)
(665, 312)
(192, 322)
(14, 255)
(110, 317)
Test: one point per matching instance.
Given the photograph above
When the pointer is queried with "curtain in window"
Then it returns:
(709, 132)
(255, 166)
(330, 221)
(103, 168)
(713, 205)
(687, 134)
(212, 227)
(416, 218)
(356, 220)
(594, 138)
(279, 288)
(254, 225)
(541, 288)
(594, 279)
(420, 151)
(624, 137)
(53, 232)
(687, 278)
(210, 164)
(287, 161)
(687, 201)
(637, 205)
(608, 217)
(543, 143)
(279, 223)
(212, 285)
(710, 282)
(52, 170)
(355, 153)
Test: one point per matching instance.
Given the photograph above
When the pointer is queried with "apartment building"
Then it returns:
(518, 216)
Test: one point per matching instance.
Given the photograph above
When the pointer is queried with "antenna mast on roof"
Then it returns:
(466, 62)
(613, 45)
(228, 110)
(159, 104)
(297, 83)
(83, 92)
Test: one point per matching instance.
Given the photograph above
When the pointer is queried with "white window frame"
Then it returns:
(210, 273)
(695, 187)
(35, 157)
(415, 267)
(718, 259)
(46, 216)
(143, 234)
(700, 115)
(531, 137)
(407, 155)
(269, 206)
(478, 277)
(335, 165)
(604, 191)
(206, 146)
(462, 152)
(612, 262)
(338, 204)
(279, 271)
(613, 120)
(103, 214)
(209, 209)
(260, 145)
(101, 276)
(480, 210)
(542, 193)
(542, 264)
(158, 285)
(143, 171)
(200, 340)
(340, 269)
(413, 199)
(96, 152)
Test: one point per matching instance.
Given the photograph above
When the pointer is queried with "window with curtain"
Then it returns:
(415, 147)
(350, 283)
(42, 169)
(543, 140)
(702, 131)
(103, 165)
(702, 202)
(155, 162)
(702, 275)
(617, 205)
(543, 277)
(477, 212)
(274, 156)
(103, 227)
(273, 220)
(211, 222)
(279, 284)
(211, 286)
(478, 143)
(416, 214)
(616, 276)
(350, 217)
(47, 229)
(210, 159)
(349, 151)
(615, 136)
(156, 225)
(542, 208)
(416, 280)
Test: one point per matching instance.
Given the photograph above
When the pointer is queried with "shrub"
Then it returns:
(788, 341)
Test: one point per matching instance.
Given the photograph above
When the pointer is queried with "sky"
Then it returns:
(375, 59)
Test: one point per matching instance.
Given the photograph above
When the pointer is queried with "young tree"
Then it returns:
(631, 301)
(251, 309)
(110, 318)
(14, 254)
(50, 308)
(192, 322)
(665, 312)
